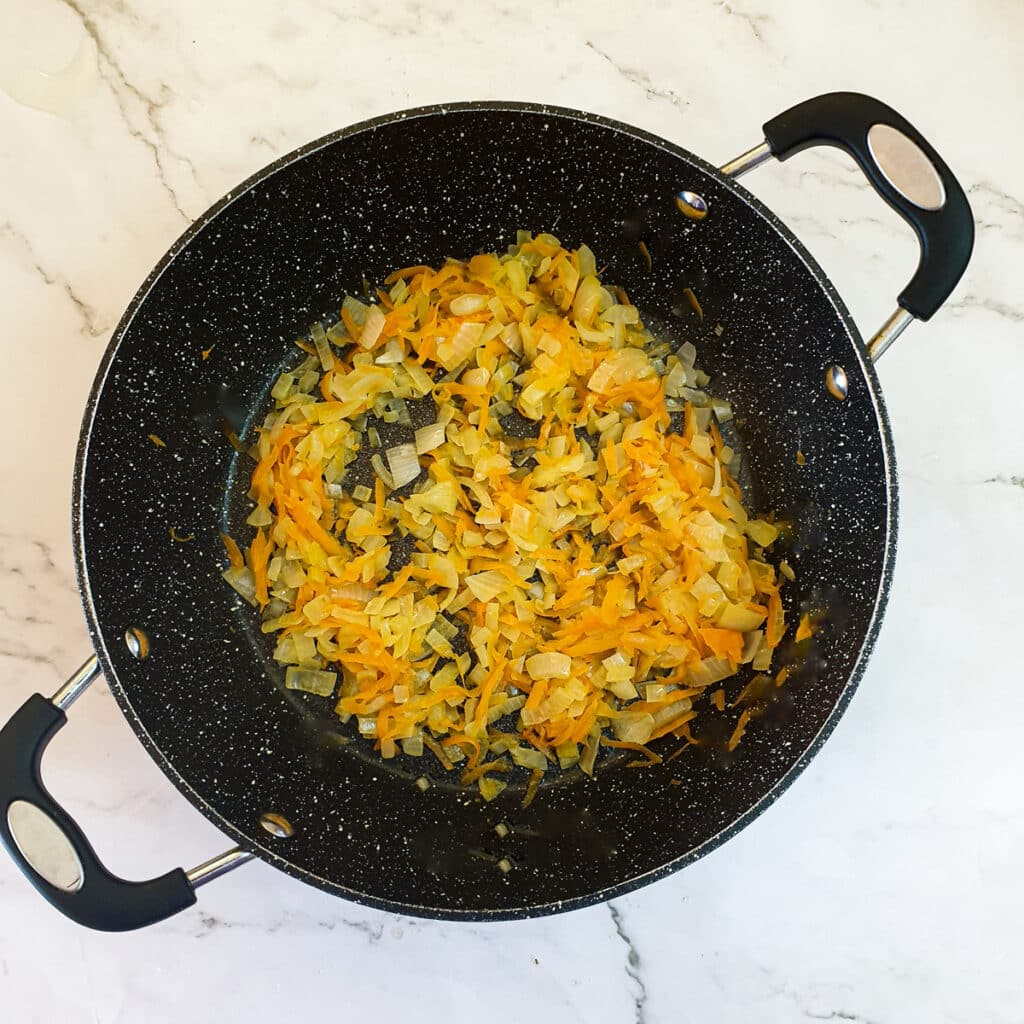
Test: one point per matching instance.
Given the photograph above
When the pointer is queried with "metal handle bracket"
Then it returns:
(53, 852)
(904, 170)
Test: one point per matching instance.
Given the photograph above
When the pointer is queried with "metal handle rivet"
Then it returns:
(137, 642)
(836, 383)
(692, 205)
(276, 825)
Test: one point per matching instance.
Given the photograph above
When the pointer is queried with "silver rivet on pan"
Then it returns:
(836, 383)
(692, 205)
(277, 825)
(137, 642)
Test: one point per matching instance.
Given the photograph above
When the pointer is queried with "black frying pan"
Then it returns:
(270, 767)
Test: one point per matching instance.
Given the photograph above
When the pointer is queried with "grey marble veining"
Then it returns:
(899, 844)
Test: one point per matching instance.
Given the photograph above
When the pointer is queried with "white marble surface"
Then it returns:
(885, 887)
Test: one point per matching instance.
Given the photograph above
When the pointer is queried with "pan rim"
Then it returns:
(266, 852)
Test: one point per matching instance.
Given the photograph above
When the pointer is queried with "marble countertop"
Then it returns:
(885, 887)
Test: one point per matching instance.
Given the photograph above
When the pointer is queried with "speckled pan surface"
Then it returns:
(281, 251)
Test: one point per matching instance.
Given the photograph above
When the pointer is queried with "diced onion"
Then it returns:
(568, 754)
(634, 728)
(310, 680)
(429, 437)
(260, 516)
(242, 581)
(572, 556)
(490, 787)
(323, 347)
(357, 311)
(734, 616)
(413, 746)
(391, 354)
(528, 757)
(588, 263)
(403, 463)
(378, 467)
(455, 351)
(711, 670)
(487, 585)
(587, 301)
(590, 748)
(465, 305)
(617, 668)
(722, 410)
(283, 386)
(620, 314)
(550, 665)
(354, 592)
(624, 690)
(372, 327)
(761, 532)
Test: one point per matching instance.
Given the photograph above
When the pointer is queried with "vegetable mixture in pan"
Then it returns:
(495, 521)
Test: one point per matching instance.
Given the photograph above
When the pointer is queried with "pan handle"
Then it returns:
(903, 169)
(33, 827)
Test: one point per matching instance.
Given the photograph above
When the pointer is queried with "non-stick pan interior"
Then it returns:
(203, 343)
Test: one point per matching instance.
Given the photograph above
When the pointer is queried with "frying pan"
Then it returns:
(210, 330)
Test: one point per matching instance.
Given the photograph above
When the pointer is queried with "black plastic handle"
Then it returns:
(946, 234)
(103, 901)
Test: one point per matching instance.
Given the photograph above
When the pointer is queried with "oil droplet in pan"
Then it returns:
(60, 92)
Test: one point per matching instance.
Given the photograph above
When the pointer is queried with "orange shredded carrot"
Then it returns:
(724, 643)
(593, 567)
(406, 272)
(741, 728)
(650, 755)
(532, 786)
(775, 625)
(438, 751)
(805, 630)
(672, 726)
(461, 740)
(478, 771)
(304, 518)
(157, 441)
(678, 752)
(233, 439)
(259, 552)
(235, 556)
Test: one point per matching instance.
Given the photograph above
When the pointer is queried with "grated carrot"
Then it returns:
(597, 569)
(235, 556)
(741, 728)
(805, 630)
